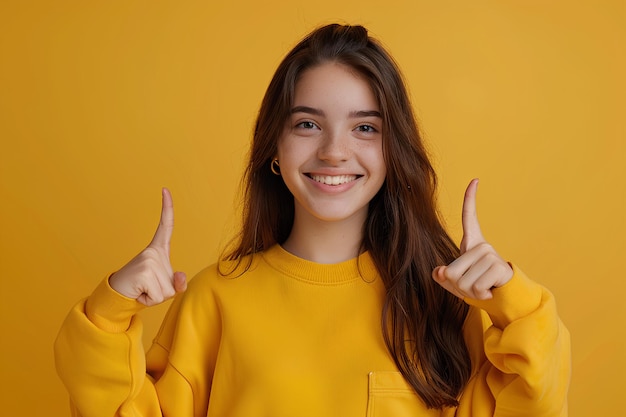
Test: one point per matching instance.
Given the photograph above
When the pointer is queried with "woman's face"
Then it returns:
(330, 152)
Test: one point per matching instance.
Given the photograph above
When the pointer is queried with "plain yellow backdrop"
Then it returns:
(103, 103)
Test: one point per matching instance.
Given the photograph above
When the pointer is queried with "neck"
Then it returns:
(323, 241)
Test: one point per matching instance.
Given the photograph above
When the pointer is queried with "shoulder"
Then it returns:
(221, 273)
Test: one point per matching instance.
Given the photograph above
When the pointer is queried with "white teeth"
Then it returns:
(333, 180)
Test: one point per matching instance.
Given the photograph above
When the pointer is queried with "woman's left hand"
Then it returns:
(479, 269)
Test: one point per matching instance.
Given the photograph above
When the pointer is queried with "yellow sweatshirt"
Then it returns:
(295, 338)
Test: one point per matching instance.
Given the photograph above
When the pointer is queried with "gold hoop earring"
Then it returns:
(275, 166)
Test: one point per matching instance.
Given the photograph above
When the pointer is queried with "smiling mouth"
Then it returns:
(333, 179)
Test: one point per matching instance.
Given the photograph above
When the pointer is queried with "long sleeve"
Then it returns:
(100, 357)
(525, 364)
(101, 360)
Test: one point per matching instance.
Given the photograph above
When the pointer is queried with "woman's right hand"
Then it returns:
(149, 277)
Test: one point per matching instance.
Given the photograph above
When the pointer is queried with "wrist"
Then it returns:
(109, 309)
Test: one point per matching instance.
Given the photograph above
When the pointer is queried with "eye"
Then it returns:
(366, 129)
(306, 125)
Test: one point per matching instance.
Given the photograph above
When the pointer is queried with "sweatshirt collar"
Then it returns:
(359, 268)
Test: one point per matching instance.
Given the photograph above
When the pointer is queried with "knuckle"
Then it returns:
(157, 299)
(150, 253)
(452, 273)
(500, 268)
(464, 287)
(485, 248)
(168, 293)
(481, 288)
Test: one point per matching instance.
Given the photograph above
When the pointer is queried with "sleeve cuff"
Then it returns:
(516, 299)
(109, 310)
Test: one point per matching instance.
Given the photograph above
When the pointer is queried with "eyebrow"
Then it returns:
(352, 114)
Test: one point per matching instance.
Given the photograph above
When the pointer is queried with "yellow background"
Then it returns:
(102, 103)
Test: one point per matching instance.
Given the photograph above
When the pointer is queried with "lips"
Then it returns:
(333, 179)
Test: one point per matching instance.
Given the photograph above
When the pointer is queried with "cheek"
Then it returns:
(376, 161)
(286, 148)
(284, 144)
(294, 153)
(380, 170)
(288, 159)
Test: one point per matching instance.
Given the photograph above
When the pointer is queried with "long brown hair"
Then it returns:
(421, 322)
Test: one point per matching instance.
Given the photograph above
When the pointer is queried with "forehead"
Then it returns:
(336, 84)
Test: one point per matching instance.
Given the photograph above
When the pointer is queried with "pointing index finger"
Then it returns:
(472, 235)
(163, 233)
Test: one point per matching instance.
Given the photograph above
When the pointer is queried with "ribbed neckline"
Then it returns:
(359, 268)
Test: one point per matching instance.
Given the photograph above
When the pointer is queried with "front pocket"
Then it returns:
(389, 395)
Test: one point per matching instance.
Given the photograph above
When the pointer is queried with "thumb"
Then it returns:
(180, 281)
(438, 274)
(472, 235)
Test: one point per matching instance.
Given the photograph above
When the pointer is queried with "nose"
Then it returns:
(334, 148)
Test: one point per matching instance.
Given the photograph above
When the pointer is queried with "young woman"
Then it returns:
(342, 296)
